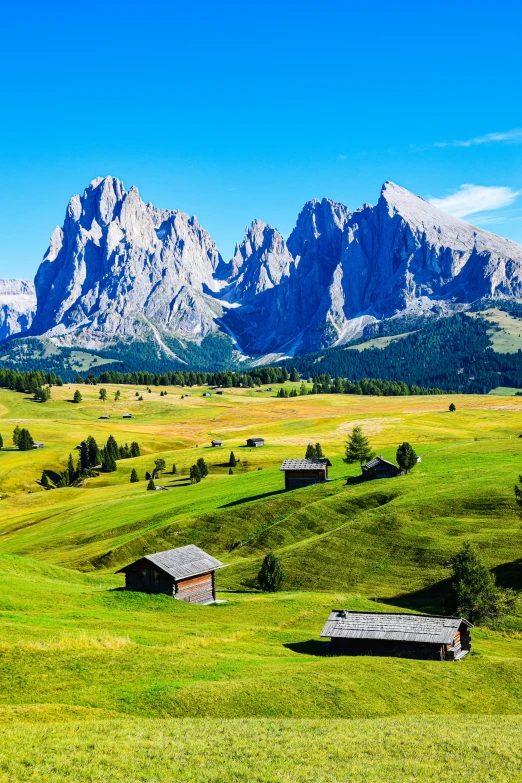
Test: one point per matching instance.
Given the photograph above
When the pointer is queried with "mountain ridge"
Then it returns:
(120, 269)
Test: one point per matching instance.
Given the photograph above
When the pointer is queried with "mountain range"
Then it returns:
(123, 271)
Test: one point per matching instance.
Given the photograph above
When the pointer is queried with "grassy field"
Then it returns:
(140, 687)
(505, 332)
(378, 342)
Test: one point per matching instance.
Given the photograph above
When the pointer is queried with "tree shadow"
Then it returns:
(355, 479)
(253, 497)
(310, 647)
(509, 574)
(434, 599)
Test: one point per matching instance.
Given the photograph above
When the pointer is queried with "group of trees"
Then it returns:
(314, 452)
(91, 459)
(28, 382)
(22, 438)
(474, 592)
(198, 471)
(358, 449)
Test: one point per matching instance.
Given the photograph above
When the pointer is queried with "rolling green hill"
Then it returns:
(88, 666)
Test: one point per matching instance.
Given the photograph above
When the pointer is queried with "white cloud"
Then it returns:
(342, 157)
(513, 136)
(470, 199)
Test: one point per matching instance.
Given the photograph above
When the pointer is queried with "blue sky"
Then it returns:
(239, 110)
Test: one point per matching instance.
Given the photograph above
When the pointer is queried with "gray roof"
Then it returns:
(256, 438)
(379, 461)
(344, 624)
(304, 464)
(184, 561)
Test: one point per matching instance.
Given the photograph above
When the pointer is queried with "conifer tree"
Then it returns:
(232, 461)
(271, 576)
(16, 435)
(71, 472)
(406, 457)
(202, 465)
(174, 470)
(77, 397)
(25, 440)
(318, 451)
(44, 481)
(103, 394)
(294, 376)
(230, 472)
(147, 476)
(195, 475)
(117, 395)
(108, 462)
(310, 452)
(302, 389)
(1, 442)
(134, 476)
(135, 449)
(452, 407)
(151, 484)
(112, 447)
(358, 448)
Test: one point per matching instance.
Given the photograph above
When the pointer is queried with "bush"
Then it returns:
(406, 457)
(77, 396)
(452, 407)
(151, 485)
(134, 476)
(272, 576)
(202, 465)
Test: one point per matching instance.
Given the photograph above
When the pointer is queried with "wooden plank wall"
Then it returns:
(196, 590)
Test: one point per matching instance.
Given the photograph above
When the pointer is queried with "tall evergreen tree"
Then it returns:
(77, 397)
(94, 456)
(25, 440)
(44, 481)
(195, 475)
(358, 448)
(271, 576)
(112, 447)
(294, 376)
(151, 484)
(232, 461)
(134, 476)
(452, 407)
(318, 451)
(108, 462)
(16, 435)
(71, 472)
(475, 594)
(1, 442)
(310, 451)
(135, 449)
(202, 465)
(406, 457)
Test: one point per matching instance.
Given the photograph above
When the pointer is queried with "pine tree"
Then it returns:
(94, 457)
(134, 476)
(174, 470)
(25, 440)
(16, 435)
(230, 472)
(452, 407)
(406, 457)
(302, 389)
(135, 449)
(232, 461)
(318, 451)
(103, 394)
(77, 396)
(358, 448)
(310, 452)
(271, 576)
(147, 476)
(202, 465)
(117, 395)
(151, 484)
(294, 376)
(473, 584)
(108, 462)
(112, 447)
(1, 442)
(71, 472)
(44, 481)
(195, 474)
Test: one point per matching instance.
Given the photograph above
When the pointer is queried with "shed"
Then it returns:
(255, 442)
(38, 444)
(216, 443)
(378, 467)
(127, 416)
(105, 416)
(400, 635)
(206, 394)
(304, 472)
(185, 573)
(219, 391)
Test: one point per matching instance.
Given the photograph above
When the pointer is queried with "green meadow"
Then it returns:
(99, 684)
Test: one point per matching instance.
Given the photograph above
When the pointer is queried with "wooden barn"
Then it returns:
(378, 467)
(399, 635)
(255, 442)
(216, 443)
(304, 472)
(186, 573)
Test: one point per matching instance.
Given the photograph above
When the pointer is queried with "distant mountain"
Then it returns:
(17, 306)
(122, 271)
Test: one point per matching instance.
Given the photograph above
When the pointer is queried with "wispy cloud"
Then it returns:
(513, 136)
(342, 157)
(472, 199)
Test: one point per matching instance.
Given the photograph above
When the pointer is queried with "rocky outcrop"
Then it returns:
(117, 263)
(17, 306)
(123, 269)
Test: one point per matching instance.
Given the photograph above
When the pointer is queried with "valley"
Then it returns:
(131, 669)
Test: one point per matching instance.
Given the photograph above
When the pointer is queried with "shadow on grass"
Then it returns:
(253, 497)
(430, 600)
(355, 480)
(509, 574)
(310, 647)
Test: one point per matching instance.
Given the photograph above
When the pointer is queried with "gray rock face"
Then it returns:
(117, 262)
(120, 268)
(17, 306)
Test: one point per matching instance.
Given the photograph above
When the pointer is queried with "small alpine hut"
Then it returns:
(304, 472)
(378, 467)
(216, 443)
(185, 573)
(255, 442)
(399, 635)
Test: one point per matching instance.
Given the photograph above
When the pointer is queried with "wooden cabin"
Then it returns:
(38, 444)
(127, 416)
(255, 442)
(186, 573)
(304, 472)
(216, 443)
(378, 467)
(399, 635)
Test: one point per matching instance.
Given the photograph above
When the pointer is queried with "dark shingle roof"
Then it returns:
(379, 461)
(304, 464)
(394, 627)
(184, 561)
